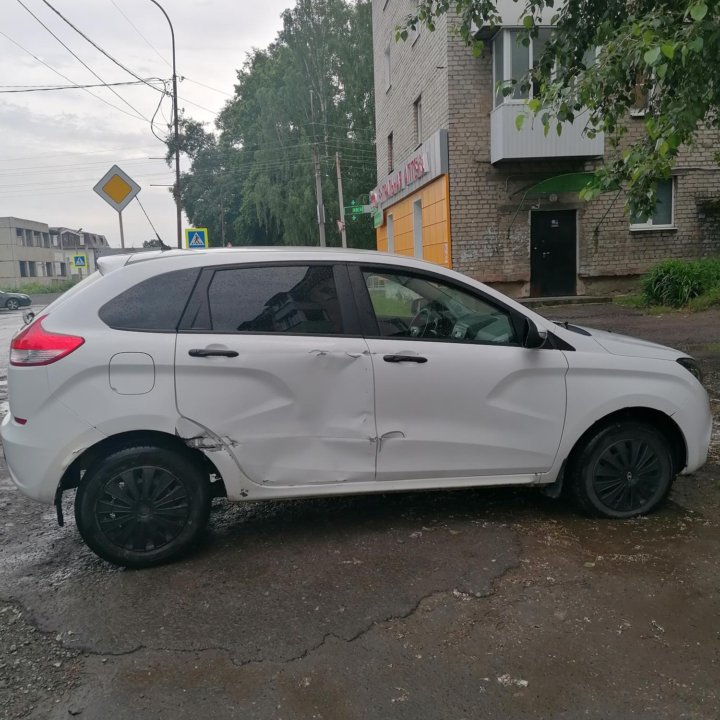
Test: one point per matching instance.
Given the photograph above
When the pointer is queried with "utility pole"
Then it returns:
(176, 120)
(222, 221)
(318, 193)
(343, 234)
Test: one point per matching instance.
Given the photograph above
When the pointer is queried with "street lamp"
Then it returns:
(177, 132)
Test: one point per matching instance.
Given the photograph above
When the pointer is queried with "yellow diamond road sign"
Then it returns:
(117, 188)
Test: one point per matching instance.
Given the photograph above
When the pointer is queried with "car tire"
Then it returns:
(623, 470)
(12, 304)
(143, 506)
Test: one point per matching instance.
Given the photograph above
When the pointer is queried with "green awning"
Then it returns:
(567, 183)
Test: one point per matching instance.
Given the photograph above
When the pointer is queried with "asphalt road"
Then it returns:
(471, 604)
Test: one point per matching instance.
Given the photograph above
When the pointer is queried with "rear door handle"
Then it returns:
(404, 358)
(206, 352)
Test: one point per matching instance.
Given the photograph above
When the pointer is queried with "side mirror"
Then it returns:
(533, 339)
(28, 316)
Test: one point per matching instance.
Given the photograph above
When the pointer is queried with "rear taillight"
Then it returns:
(36, 346)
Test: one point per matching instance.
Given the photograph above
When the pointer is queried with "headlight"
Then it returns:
(690, 364)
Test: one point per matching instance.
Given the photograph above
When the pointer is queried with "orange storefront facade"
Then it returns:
(413, 204)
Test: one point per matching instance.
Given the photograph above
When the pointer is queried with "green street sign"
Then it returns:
(355, 210)
(377, 218)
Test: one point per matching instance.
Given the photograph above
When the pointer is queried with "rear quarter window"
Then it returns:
(153, 305)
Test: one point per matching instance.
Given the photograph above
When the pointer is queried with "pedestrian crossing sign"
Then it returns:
(80, 261)
(196, 238)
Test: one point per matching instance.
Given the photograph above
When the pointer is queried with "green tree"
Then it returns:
(313, 86)
(667, 50)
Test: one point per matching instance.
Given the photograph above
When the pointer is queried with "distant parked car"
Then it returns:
(168, 378)
(13, 301)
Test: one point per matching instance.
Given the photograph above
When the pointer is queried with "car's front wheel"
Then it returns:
(625, 469)
(12, 304)
(142, 505)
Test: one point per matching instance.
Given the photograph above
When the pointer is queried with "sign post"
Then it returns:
(196, 238)
(117, 189)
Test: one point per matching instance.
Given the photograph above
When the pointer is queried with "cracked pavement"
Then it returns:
(467, 604)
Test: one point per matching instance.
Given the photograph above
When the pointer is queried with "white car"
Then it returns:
(168, 378)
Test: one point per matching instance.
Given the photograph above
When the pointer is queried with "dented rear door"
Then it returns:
(267, 361)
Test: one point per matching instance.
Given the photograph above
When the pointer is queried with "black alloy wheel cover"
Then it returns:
(142, 509)
(12, 304)
(627, 475)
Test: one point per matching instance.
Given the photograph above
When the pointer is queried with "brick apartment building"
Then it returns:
(459, 185)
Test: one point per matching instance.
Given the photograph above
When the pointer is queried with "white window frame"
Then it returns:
(417, 112)
(508, 41)
(387, 67)
(648, 224)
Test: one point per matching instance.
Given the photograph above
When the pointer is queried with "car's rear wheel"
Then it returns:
(12, 304)
(142, 506)
(625, 469)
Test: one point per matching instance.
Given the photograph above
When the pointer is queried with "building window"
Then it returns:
(418, 121)
(663, 217)
(388, 68)
(19, 233)
(62, 271)
(390, 234)
(390, 153)
(49, 269)
(28, 238)
(46, 239)
(23, 269)
(417, 229)
(513, 61)
(32, 268)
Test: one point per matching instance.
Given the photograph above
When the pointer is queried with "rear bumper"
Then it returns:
(39, 452)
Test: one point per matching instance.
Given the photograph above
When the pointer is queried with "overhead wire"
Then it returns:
(81, 61)
(96, 46)
(49, 88)
(160, 55)
(66, 78)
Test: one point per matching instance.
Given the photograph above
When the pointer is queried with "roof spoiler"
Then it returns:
(108, 263)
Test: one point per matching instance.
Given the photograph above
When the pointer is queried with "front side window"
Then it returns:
(420, 307)
(297, 299)
(663, 215)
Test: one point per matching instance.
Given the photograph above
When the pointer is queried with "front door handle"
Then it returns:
(404, 358)
(209, 352)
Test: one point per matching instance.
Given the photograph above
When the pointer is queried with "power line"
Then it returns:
(81, 61)
(49, 88)
(134, 27)
(97, 47)
(209, 87)
(68, 154)
(67, 79)
(159, 54)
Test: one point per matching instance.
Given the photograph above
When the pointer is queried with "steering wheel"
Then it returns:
(426, 321)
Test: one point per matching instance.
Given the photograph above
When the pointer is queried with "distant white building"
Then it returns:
(31, 251)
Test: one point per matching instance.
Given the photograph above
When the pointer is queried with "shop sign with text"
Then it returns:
(428, 162)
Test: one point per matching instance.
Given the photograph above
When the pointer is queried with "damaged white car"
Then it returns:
(168, 378)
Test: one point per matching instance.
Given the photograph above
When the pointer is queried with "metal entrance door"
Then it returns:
(553, 253)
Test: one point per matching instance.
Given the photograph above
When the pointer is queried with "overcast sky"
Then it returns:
(54, 146)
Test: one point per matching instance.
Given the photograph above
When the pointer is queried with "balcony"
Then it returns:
(530, 142)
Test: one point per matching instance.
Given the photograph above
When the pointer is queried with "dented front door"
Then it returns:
(293, 404)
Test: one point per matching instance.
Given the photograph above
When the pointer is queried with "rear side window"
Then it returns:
(298, 299)
(154, 305)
